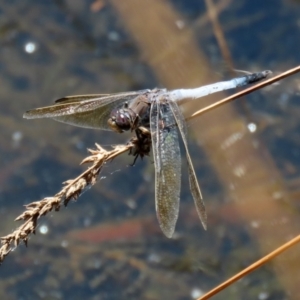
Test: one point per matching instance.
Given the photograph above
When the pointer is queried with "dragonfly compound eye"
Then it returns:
(120, 120)
(112, 124)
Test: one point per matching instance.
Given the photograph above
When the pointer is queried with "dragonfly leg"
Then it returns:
(142, 144)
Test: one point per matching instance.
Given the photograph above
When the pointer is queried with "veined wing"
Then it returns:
(90, 111)
(194, 186)
(79, 98)
(167, 160)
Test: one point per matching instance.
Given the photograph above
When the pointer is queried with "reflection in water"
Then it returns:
(75, 55)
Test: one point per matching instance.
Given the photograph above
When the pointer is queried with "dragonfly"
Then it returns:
(158, 112)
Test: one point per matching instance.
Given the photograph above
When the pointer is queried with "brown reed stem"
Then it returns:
(71, 191)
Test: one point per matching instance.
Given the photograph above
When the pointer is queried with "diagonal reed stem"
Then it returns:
(244, 92)
(251, 268)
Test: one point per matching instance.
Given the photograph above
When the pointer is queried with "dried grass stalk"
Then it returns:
(71, 191)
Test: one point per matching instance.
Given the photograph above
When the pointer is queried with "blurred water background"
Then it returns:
(108, 245)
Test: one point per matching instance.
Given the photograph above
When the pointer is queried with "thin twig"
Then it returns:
(251, 268)
(244, 92)
(71, 191)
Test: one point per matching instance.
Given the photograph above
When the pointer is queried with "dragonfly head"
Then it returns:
(121, 120)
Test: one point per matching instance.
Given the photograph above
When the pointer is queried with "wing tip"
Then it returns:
(167, 229)
(203, 218)
(204, 224)
(168, 234)
(33, 114)
(27, 115)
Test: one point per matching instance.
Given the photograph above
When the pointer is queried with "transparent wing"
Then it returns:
(90, 111)
(167, 160)
(194, 186)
